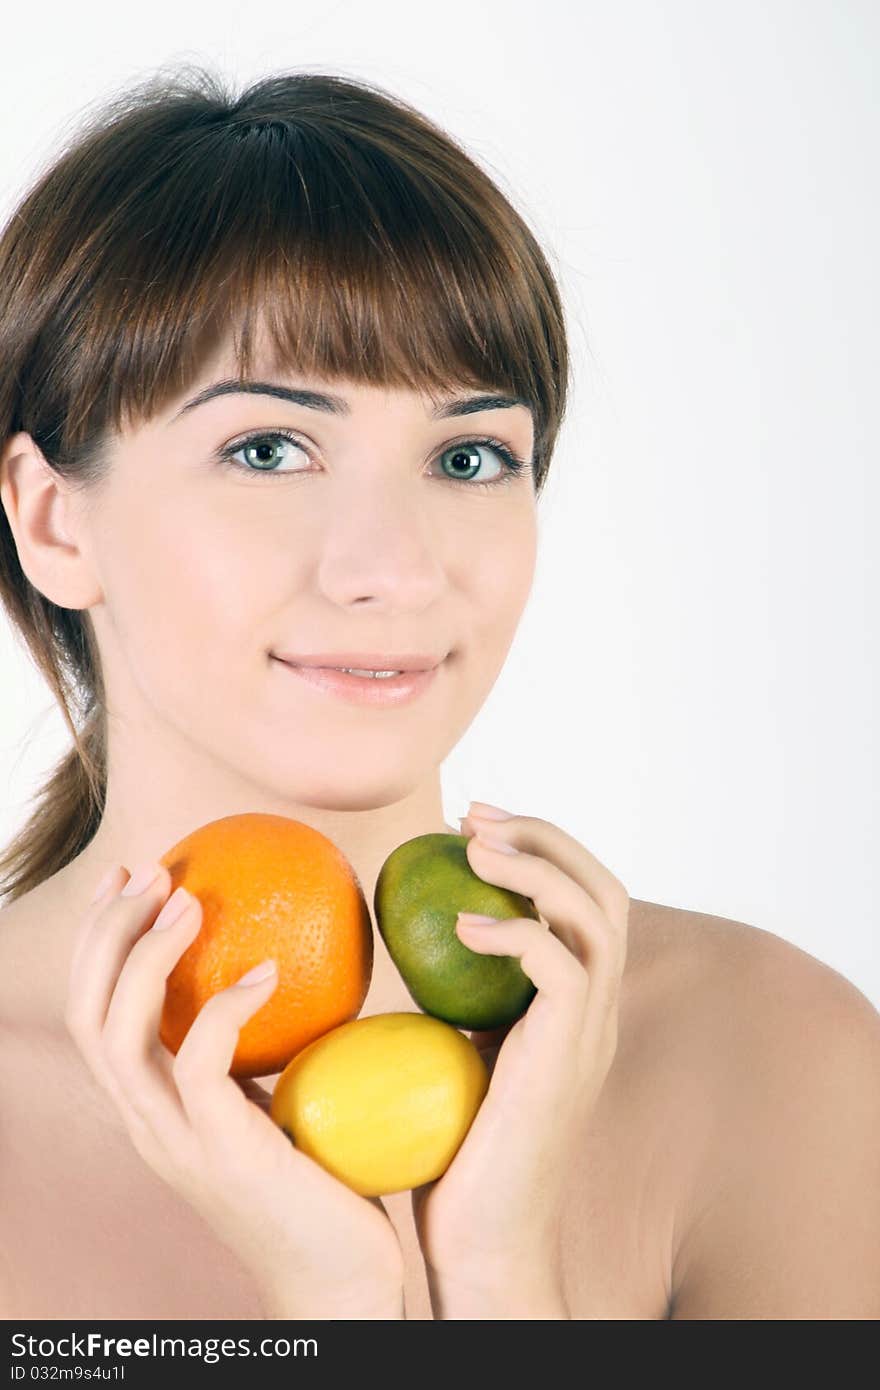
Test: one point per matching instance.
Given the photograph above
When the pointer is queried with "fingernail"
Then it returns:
(259, 972)
(140, 880)
(175, 907)
(495, 844)
(104, 885)
(475, 919)
(482, 808)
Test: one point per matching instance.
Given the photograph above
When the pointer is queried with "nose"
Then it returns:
(381, 549)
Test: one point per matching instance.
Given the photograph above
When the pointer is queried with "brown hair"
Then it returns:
(181, 212)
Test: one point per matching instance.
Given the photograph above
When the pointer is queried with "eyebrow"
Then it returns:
(337, 405)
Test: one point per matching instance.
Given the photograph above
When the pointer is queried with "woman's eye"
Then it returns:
(462, 463)
(261, 453)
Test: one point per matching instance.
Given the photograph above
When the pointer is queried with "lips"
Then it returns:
(364, 661)
(380, 693)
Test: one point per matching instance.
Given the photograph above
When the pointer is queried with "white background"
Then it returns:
(692, 689)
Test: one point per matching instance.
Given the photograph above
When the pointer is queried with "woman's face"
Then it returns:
(356, 536)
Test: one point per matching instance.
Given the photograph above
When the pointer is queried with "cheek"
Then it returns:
(189, 590)
(500, 573)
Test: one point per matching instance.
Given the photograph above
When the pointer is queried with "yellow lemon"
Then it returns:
(384, 1102)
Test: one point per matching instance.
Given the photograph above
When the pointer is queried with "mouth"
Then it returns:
(370, 664)
(370, 683)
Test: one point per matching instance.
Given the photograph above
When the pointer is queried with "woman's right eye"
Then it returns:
(258, 450)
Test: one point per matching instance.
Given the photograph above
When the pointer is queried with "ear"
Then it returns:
(39, 507)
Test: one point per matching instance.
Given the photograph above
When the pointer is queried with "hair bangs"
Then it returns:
(318, 256)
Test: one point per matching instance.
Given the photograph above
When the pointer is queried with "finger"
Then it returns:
(573, 916)
(542, 837)
(553, 1026)
(548, 963)
(141, 1087)
(102, 944)
(141, 1064)
(108, 889)
(214, 1103)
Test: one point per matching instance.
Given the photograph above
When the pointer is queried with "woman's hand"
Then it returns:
(315, 1248)
(490, 1227)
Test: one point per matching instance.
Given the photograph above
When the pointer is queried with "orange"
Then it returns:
(272, 887)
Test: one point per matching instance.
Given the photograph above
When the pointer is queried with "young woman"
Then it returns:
(282, 375)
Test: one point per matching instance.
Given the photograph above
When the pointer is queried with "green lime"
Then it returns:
(422, 886)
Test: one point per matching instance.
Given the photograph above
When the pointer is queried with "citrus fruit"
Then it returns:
(422, 886)
(384, 1102)
(269, 886)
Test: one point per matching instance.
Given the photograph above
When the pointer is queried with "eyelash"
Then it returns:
(514, 465)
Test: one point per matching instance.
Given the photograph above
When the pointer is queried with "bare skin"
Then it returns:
(723, 1121)
(86, 1195)
(690, 1193)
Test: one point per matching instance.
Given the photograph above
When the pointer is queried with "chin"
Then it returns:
(359, 799)
(357, 793)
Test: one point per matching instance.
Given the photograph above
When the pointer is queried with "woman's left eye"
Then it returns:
(258, 450)
(465, 468)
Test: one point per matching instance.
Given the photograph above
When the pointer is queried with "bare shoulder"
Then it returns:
(26, 909)
(748, 966)
(749, 977)
(765, 1005)
(31, 968)
(782, 1217)
(15, 918)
